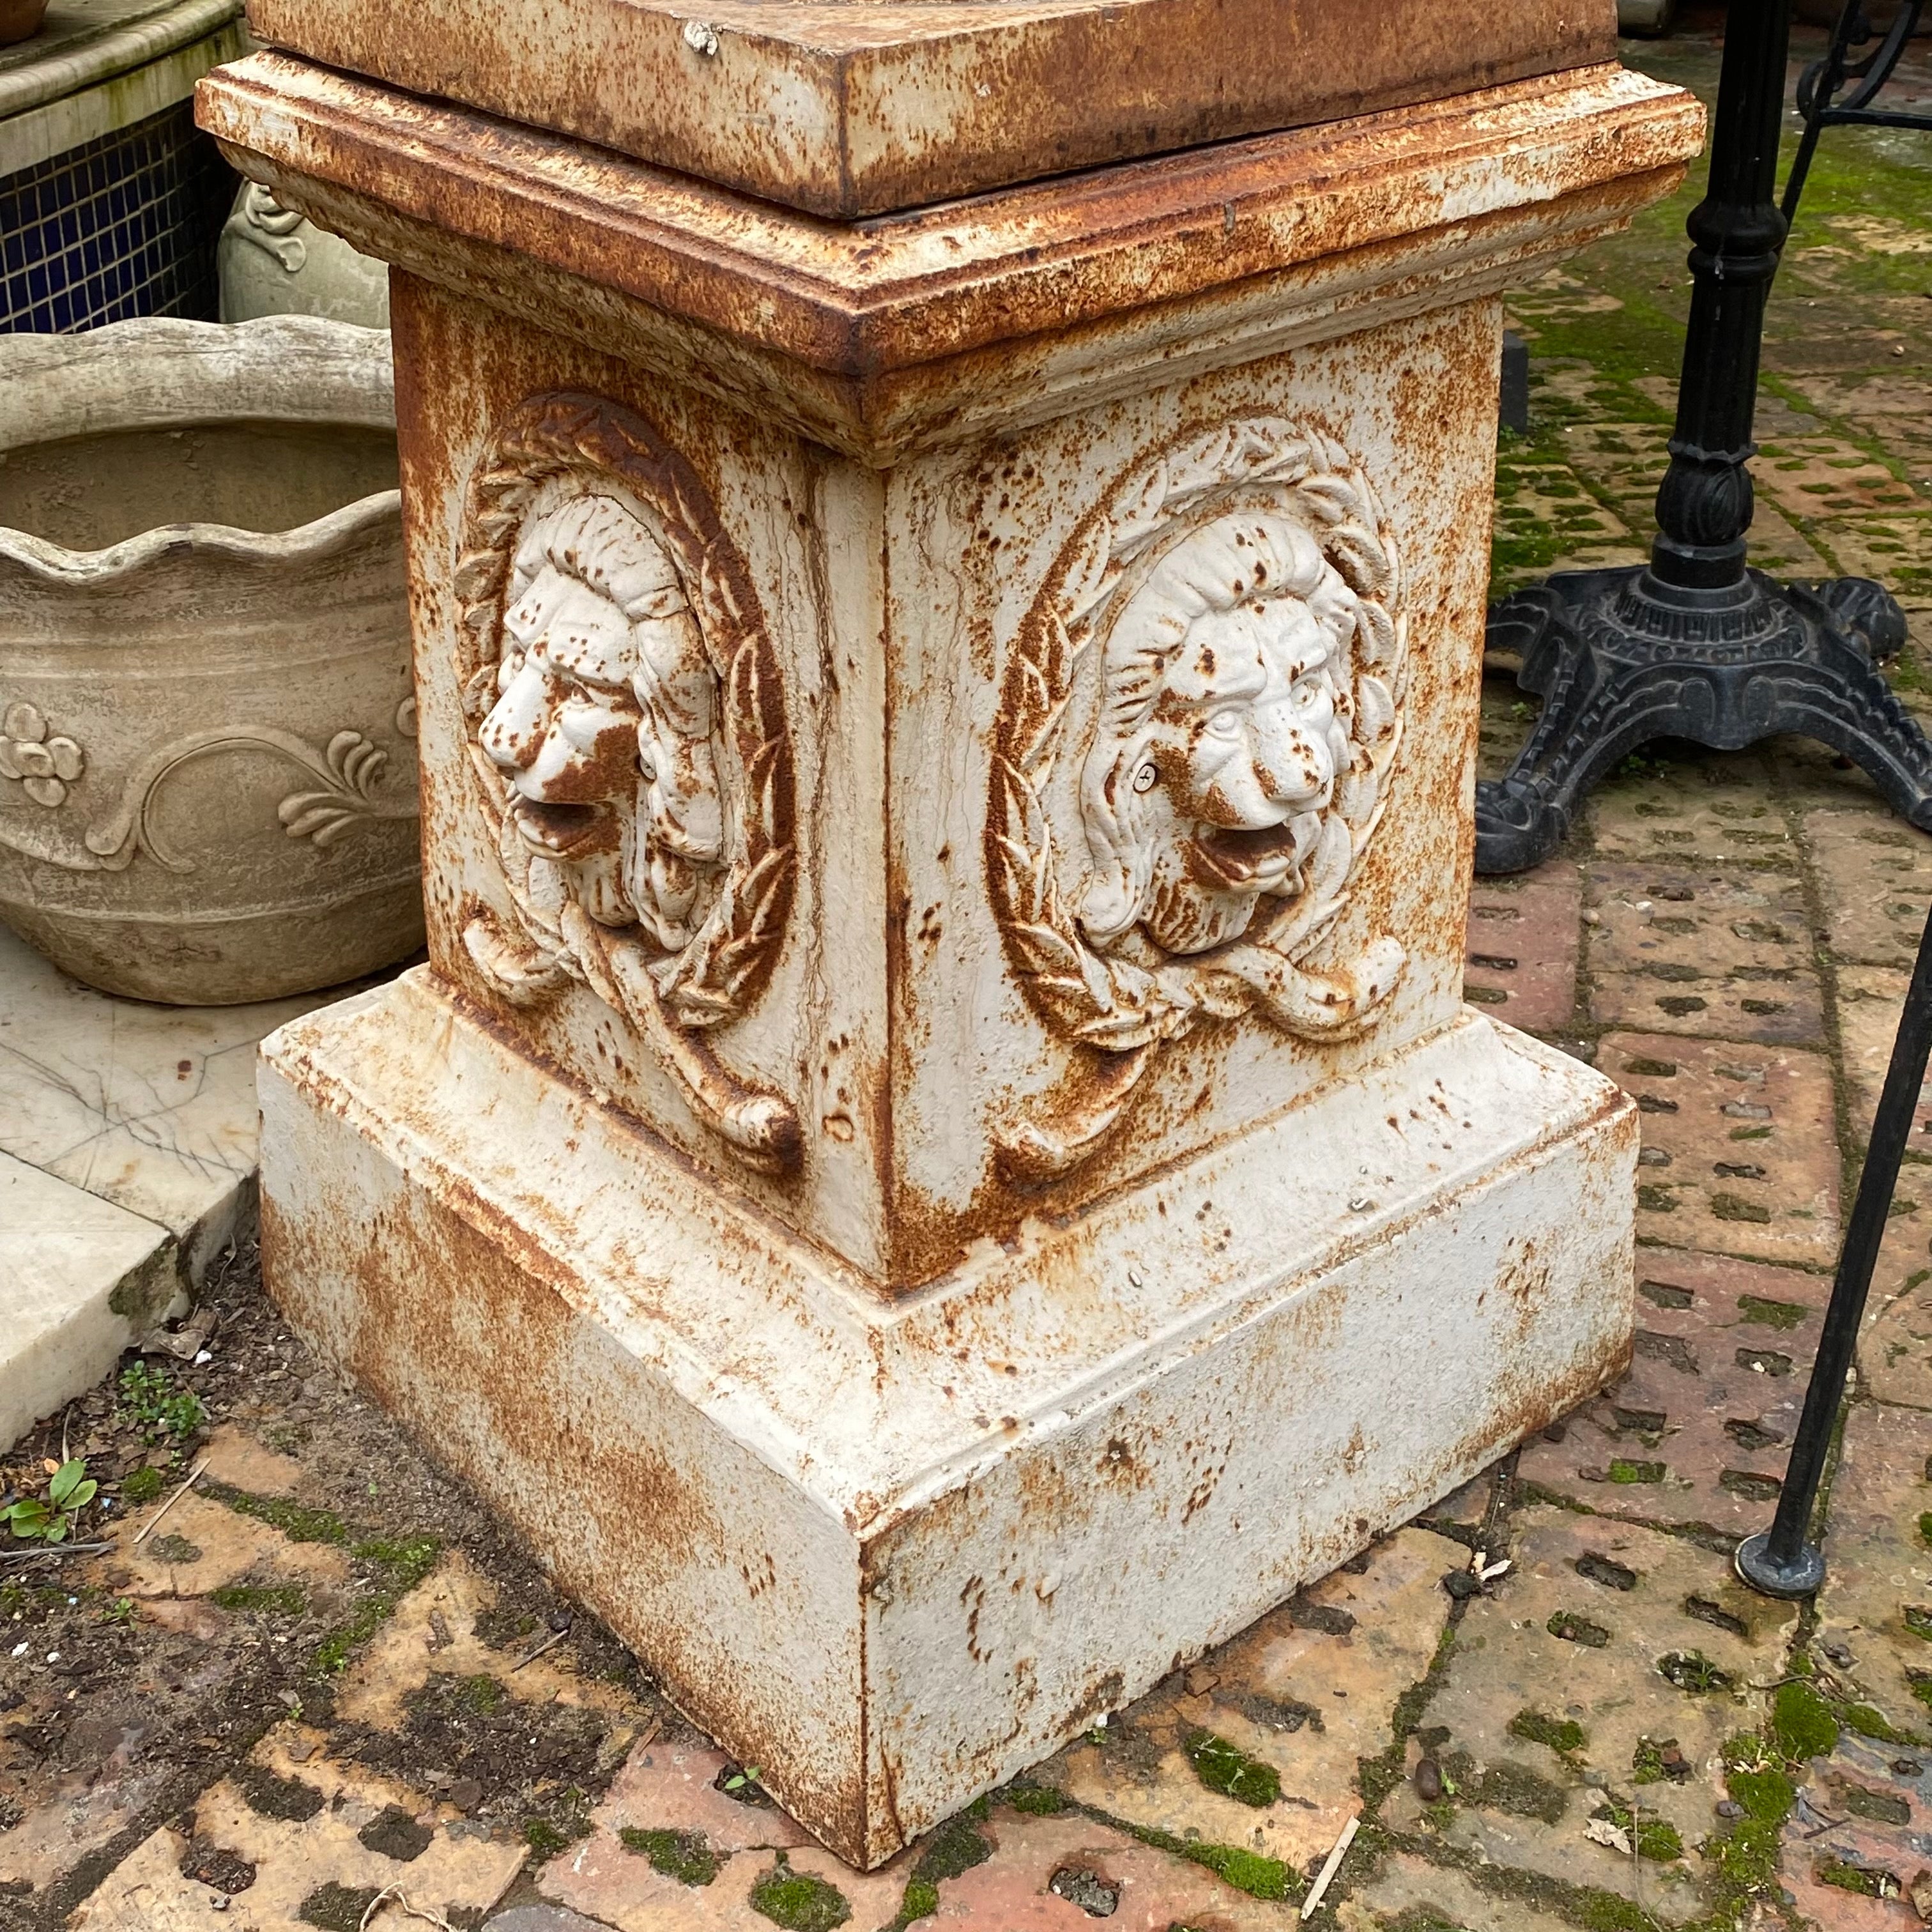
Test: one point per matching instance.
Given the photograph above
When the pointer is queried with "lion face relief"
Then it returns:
(605, 719)
(1226, 709)
(1211, 682)
(630, 753)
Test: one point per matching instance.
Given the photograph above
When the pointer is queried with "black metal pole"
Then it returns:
(1704, 506)
(1782, 1562)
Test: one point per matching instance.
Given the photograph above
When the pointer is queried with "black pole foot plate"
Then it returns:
(1620, 658)
(1800, 1577)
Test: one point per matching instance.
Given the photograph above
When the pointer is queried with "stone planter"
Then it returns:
(208, 785)
(276, 262)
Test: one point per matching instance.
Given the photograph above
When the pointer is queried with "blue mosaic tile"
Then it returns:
(126, 226)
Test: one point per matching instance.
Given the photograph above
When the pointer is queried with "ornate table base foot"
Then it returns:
(1620, 658)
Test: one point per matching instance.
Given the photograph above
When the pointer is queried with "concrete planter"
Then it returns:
(207, 789)
(274, 261)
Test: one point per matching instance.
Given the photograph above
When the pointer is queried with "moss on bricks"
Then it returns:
(1253, 1873)
(1036, 1800)
(686, 1856)
(1226, 1767)
(1250, 1872)
(288, 1600)
(1560, 1734)
(1869, 1722)
(1802, 1726)
(1859, 1878)
(1623, 1470)
(955, 1847)
(1655, 1838)
(921, 1901)
(799, 1901)
(336, 1908)
(296, 1521)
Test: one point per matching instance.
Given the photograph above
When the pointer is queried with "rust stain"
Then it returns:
(846, 111)
(868, 300)
(535, 1418)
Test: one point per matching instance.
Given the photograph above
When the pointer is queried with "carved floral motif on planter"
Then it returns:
(346, 773)
(44, 765)
(629, 742)
(1192, 757)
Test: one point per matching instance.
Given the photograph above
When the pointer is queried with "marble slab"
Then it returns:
(83, 1278)
(128, 1154)
(150, 1108)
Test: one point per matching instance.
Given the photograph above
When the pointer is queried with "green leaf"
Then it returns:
(56, 1530)
(66, 1479)
(29, 1517)
(84, 1494)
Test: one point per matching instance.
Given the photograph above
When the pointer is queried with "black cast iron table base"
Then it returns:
(1620, 657)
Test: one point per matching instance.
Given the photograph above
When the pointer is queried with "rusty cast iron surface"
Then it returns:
(878, 334)
(854, 109)
(950, 1147)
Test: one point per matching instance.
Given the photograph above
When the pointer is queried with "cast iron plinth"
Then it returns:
(1799, 1577)
(1620, 657)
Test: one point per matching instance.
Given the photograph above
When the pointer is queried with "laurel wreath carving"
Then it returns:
(673, 998)
(1126, 1002)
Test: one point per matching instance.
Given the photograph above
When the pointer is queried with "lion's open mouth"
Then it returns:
(1236, 861)
(563, 831)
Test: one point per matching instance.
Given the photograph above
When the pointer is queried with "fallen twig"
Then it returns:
(1637, 1868)
(193, 1476)
(394, 1895)
(55, 1549)
(549, 1643)
(1312, 1902)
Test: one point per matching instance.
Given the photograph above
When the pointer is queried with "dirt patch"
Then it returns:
(147, 1695)
(395, 1833)
(533, 1770)
(219, 1869)
(284, 1798)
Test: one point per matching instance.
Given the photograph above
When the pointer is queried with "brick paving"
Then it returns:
(1610, 1733)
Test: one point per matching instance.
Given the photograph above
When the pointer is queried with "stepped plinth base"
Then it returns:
(895, 1550)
